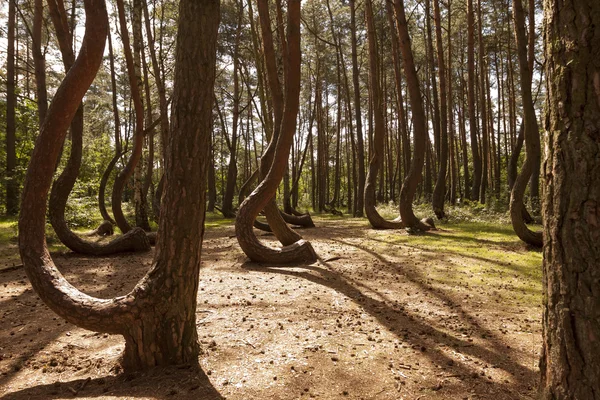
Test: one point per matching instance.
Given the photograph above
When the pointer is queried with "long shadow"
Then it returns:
(409, 327)
(508, 265)
(180, 382)
(29, 327)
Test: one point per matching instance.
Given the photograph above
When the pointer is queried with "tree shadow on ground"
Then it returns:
(179, 382)
(434, 343)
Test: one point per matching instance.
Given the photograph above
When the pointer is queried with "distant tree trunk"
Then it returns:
(158, 318)
(569, 364)
(439, 193)
(39, 61)
(377, 149)
(232, 170)
(138, 136)
(62, 187)
(475, 189)
(140, 195)
(117, 122)
(409, 187)
(483, 87)
(454, 173)
(534, 181)
(360, 148)
(532, 137)
(11, 187)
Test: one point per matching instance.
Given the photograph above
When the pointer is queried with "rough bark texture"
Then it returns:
(532, 136)
(158, 317)
(570, 366)
(263, 196)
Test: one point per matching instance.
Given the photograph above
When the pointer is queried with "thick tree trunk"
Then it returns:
(483, 88)
(570, 366)
(158, 318)
(262, 197)
(532, 137)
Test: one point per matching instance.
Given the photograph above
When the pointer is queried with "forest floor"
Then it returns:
(451, 314)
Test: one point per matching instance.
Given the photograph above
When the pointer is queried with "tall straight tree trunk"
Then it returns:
(477, 169)
(569, 364)
(439, 193)
(11, 187)
(360, 148)
(232, 170)
(483, 87)
(39, 61)
(140, 197)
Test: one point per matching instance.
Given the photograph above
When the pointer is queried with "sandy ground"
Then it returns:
(372, 319)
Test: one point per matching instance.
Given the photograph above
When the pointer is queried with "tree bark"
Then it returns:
(138, 136)
(439, 193)
(570, 367)
(11, 187)
(262, 197)
(412, 179)
(360, 148)
(158, 318)
(377, 152)
(532, 137)
(471, 95)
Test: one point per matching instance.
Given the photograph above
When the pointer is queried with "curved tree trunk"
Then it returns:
(158, 317)
(263, 196)
(138, 136)
(409, 187)
(569, 364)
(63, 186)
(532, 137)
(377, 154)
(102, 189)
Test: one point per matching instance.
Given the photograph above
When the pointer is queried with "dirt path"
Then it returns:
(380, 316)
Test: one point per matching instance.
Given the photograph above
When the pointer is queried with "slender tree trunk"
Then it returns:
(483, 109)
(360, 148)
(11, 187)
(569, 365)
(138, 137)
(409, 187)
(439, 192)
(477, 170)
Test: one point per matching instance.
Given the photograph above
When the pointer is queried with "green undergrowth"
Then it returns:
(478, 255)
